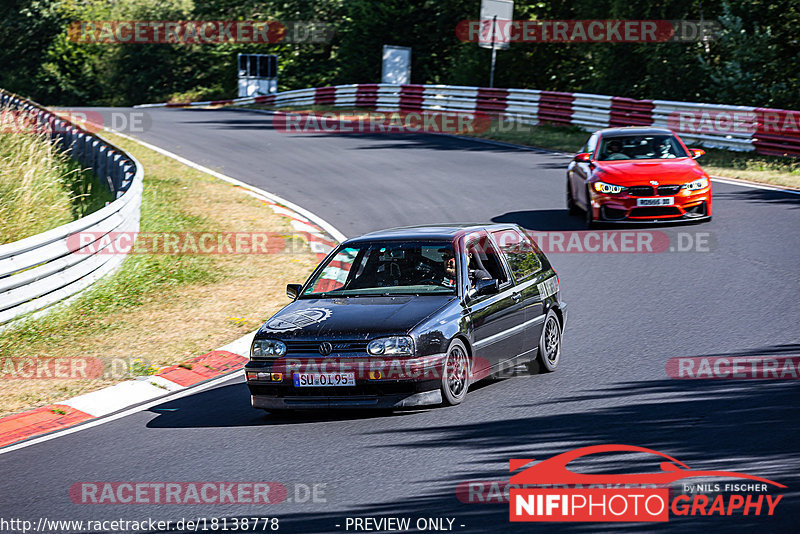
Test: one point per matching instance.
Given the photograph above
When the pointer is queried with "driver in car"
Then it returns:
(449, 261)
(664, 150)
(475, 271)
(614, 149)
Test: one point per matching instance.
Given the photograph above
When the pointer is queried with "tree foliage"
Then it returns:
(755, 60)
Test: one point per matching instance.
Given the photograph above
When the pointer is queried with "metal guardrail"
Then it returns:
(46, 268)
(741, 128)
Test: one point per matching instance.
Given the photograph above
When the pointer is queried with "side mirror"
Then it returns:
(489, 286)
(293, 290)
(697, 152)
(583, 157)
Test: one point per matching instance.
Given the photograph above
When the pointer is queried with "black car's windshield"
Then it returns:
(387, 268)
(640, 147)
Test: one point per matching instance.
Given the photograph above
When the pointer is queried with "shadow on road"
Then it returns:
(759, 196)
(699, 422)
(239, 120)
(561, 220)
(544, 220)
(229, 406)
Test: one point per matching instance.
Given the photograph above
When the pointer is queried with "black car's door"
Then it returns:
(496, 318)
(579, 172)
(526, 268)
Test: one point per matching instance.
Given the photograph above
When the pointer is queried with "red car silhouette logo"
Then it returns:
(554, 470)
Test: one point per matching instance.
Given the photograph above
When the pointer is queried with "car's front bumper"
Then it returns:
(404, 383)
(624, 209)
(353, 401)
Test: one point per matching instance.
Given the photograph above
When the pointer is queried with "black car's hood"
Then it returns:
(351, 317)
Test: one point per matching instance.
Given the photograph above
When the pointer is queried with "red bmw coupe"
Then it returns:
(638, 174)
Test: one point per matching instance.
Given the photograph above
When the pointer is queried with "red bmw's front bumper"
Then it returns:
(624, 207)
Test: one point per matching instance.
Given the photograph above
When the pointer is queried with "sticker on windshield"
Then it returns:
(548, 287)
(298, 319)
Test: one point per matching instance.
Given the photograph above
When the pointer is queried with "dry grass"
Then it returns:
(40, 187)
(34, 191)
(163, 309)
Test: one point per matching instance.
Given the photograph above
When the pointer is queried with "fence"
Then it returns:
(742, 128)
(44, 269)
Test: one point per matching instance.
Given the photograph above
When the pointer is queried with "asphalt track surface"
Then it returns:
(629, 313)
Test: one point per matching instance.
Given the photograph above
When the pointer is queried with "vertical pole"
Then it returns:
(494, 52)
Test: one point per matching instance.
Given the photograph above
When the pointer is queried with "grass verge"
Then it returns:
(158, 309)
(780, 171)
(40, 187)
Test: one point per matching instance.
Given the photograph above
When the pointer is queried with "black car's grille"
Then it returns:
(655, 211)
(667, 190)
(300, 347)
(640, 191)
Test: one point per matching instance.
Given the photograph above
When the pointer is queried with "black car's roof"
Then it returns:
(446, 232)
(635, 130)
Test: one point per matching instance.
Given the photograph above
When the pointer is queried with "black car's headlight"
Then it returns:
(267, 348)
(391, 346)
(702, 183)
(608, 189)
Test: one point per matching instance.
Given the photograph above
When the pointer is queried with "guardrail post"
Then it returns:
(91, 151)
(100, 165)
(116, 170)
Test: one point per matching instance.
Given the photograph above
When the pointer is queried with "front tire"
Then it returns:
(455, 374)
(590, 220)
(571, 206)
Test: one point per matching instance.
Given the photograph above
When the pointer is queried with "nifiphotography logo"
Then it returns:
(549, 491)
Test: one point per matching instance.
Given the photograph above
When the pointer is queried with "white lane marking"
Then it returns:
(754, 186)
(114, 398)
(242, 345)
(119, 396)
(96, 422)
(322, 223)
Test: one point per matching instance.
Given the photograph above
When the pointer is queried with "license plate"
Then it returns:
(656, 201)
(315, 380)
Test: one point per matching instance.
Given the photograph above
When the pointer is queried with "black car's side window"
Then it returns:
(521, 256)
(484, 261)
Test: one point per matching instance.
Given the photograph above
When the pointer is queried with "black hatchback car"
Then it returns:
(409, 317)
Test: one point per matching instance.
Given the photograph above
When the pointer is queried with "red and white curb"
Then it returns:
(202, 372)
